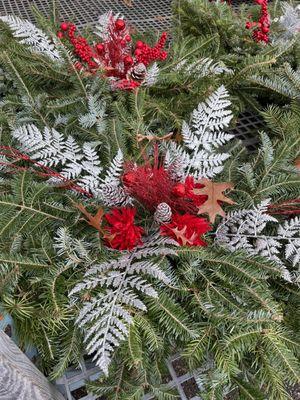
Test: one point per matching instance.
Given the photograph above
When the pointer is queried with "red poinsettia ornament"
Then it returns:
(122, 233)
(186, 229)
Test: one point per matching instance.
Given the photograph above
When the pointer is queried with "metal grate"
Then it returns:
(154, 14)
(246, 129)
(72, 384)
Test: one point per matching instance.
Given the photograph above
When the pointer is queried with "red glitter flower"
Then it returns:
(122, 234)
(153, 184)
(186, 229)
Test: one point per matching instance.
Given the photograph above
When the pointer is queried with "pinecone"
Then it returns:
(138, 72)
(163, 213)
(113, 195)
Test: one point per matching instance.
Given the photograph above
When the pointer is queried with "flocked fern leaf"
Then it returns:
(119, 286)
(202, 67)
(34, 37)
(245, 230)
(102, 27)
(151, 75)
(200, 153)
(290, 20)
(52, 149)
(110, 191)
(96, 114)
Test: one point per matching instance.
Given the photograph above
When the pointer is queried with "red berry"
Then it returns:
(128, 60)
(138, 52)
(265, 29)
(64, 26)
(100, 48)
(119, 24)
(128, 38)
(179, 190)
(123, 43)
(163, 55)
(139, 44)
(60, 34)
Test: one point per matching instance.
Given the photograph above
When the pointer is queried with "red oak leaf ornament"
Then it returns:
(186, 229)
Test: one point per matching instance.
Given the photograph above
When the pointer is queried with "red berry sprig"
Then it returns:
(146, 54)
(116, 55)
(262, 27)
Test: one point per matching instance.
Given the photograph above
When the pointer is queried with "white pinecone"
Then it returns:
(113, 195)
(138, 72)
(163, 213)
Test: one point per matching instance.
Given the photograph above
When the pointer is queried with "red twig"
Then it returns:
(42, 170)
(289, 207)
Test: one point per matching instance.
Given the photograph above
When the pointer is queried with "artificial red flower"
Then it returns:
(190, 185)
(186, 229)
(122, 234)
(153, 184)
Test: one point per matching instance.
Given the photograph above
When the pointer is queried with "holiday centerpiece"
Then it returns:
(130, 237)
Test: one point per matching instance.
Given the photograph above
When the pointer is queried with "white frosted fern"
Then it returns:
(290, 20)
(74, 250)
(32, 36)
(202, 68)
(111, 191)
(96, 114)
(246, 230)
(118, 284)
(200, 152)
(290, 231)
(151, 75)
(52, 149)
(102, 27)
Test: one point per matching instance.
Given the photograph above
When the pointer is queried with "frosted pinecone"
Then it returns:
(138, 72)
(176, 170)
(113, 195)
(163, 213)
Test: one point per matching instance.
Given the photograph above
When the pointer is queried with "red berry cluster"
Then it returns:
(81, 47)
(262, 27)
(116, 55)
(146, 54)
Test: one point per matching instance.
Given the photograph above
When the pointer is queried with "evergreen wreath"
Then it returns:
(133, 227)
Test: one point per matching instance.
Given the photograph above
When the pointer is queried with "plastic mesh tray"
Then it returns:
(71, 385)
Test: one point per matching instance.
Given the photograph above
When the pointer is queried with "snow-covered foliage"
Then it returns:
(32, 36)
(96, 114)
(151, 75)
(52, 149)
(245, 230)
(290, 20)
(110, 191)
(102, 27)
(200, 153)
(106, 315)
(202, 67)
